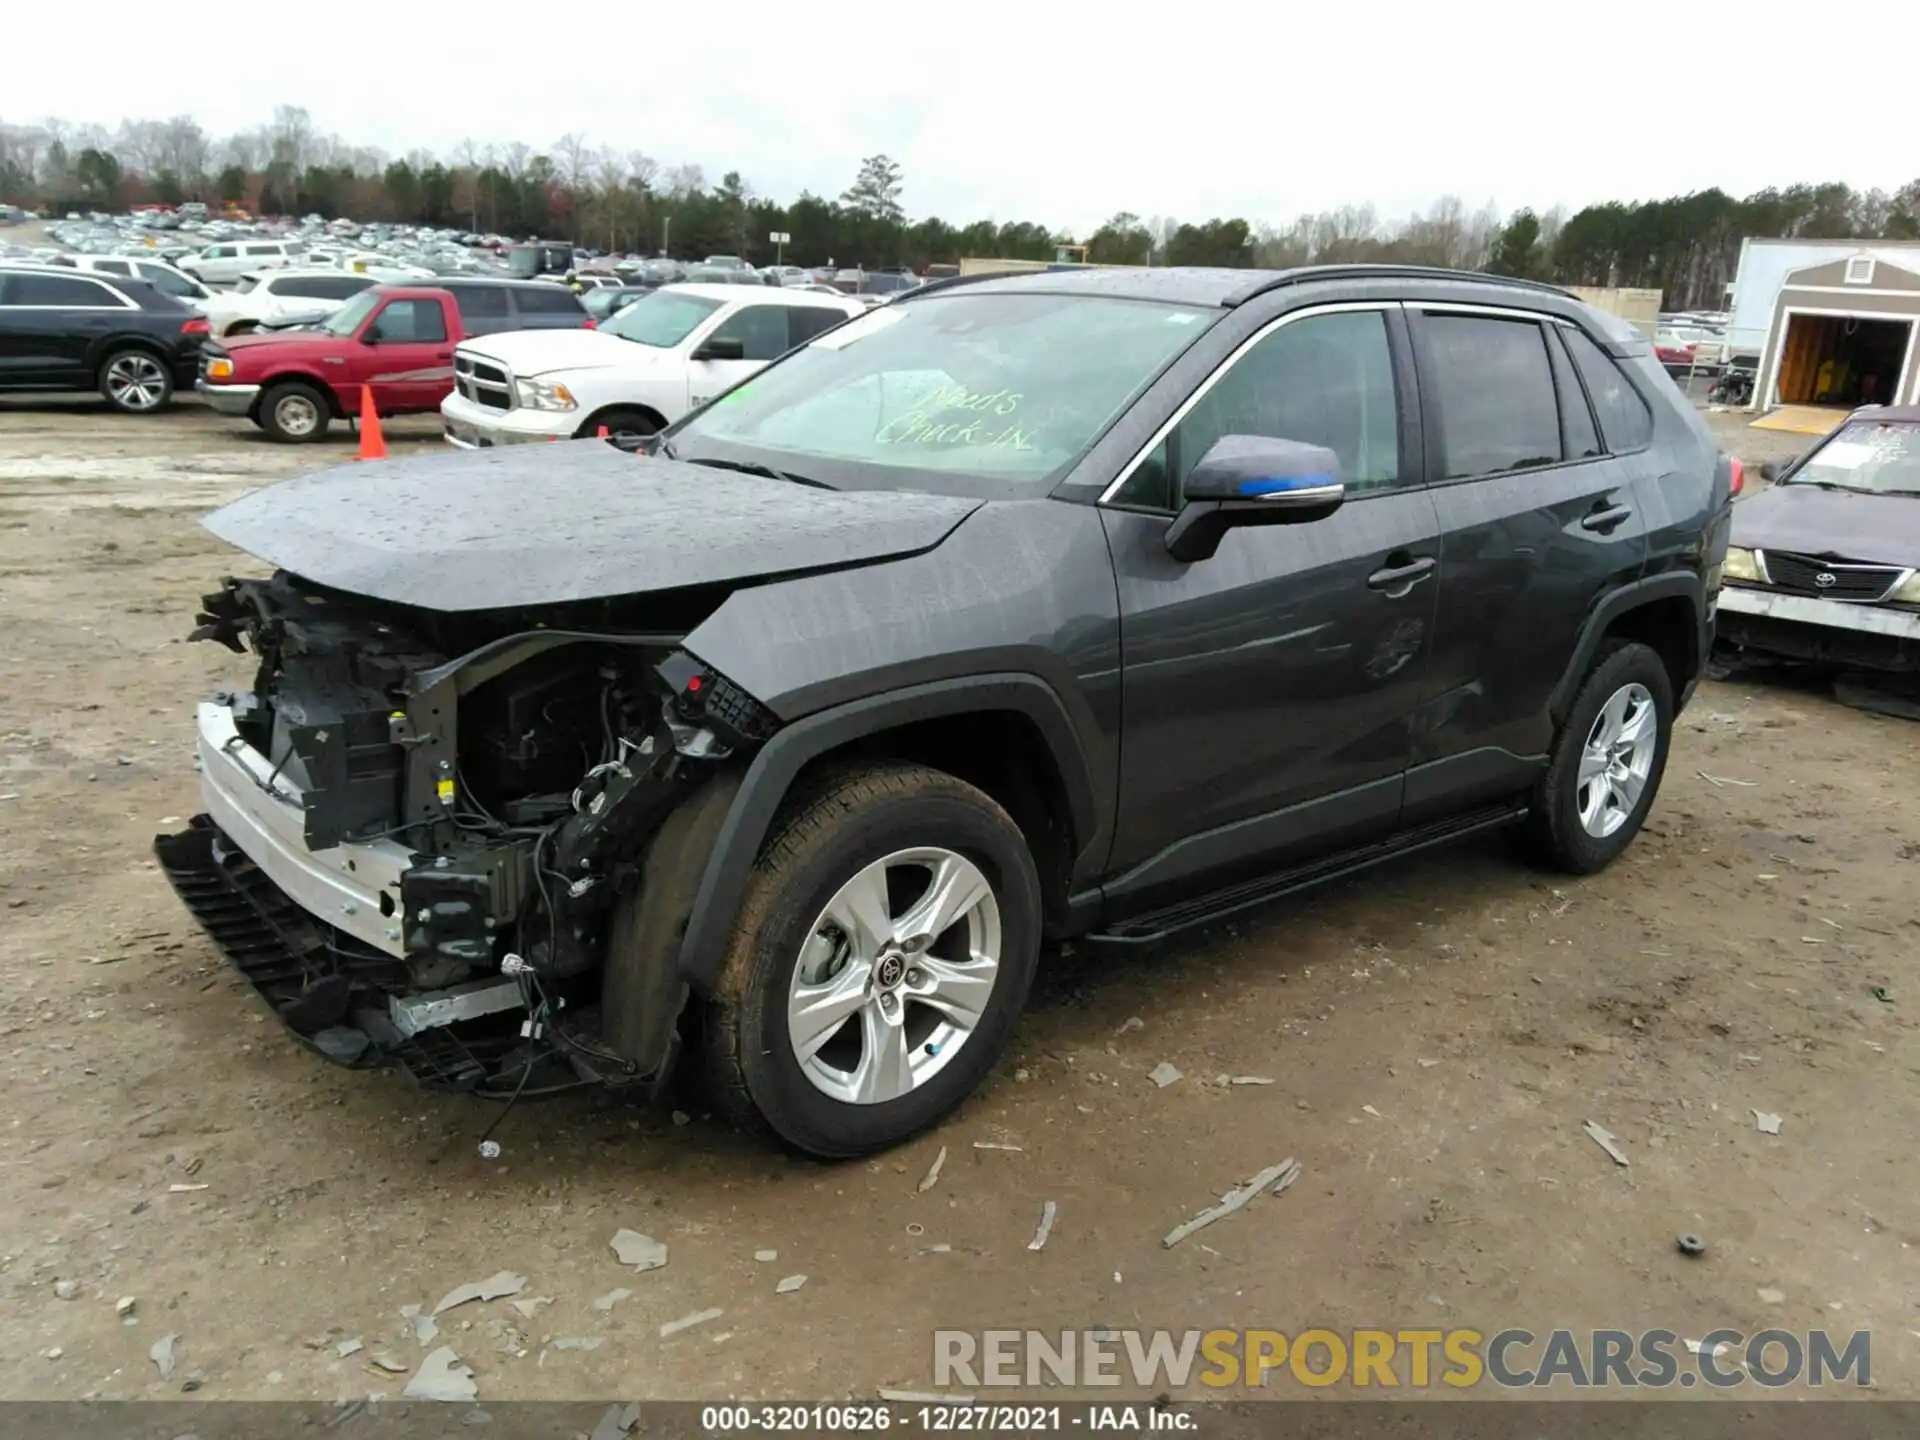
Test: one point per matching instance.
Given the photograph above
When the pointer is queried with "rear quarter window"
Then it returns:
(480, 302)
(1626, 421)
(546, 300)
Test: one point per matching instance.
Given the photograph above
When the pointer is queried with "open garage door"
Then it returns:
(1842, 360)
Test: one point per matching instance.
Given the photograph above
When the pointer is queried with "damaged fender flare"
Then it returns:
(781, 759)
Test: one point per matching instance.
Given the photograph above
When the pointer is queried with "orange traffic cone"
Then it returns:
(373, 445)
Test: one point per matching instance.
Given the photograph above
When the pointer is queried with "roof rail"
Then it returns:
(1308, 274)
(947, 282)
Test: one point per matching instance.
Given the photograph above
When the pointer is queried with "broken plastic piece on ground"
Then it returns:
(1047, 1213)
(687, 1322)
(933, 1175)
(642, 1252)
(505, 1282)
(443, 1375)
(1279, 1177)
(1604, 1139)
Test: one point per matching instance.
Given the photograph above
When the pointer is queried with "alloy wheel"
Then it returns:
(1616, 760)
(136, 382)
(895, 976)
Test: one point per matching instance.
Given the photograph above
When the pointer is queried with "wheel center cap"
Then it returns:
(889, 971)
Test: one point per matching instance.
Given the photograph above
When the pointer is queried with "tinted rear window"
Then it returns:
(480, 302)
(56, 290)
(1494, 386)
(546, 300)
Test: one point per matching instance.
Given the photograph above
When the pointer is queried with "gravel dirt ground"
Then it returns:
(1436, 1034)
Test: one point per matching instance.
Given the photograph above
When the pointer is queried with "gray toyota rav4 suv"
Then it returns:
(1093, 604)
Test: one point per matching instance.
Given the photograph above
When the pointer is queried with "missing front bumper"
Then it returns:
(335, 993)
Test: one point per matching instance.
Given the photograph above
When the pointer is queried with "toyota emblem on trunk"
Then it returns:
(1826, 578)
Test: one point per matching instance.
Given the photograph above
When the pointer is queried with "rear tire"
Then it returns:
(135, 381)
(882, 1063)
(1606, 764)
(294, 412)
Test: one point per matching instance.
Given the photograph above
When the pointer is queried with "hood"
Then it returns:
(548, 524)
(1836, 524)
(534, 352)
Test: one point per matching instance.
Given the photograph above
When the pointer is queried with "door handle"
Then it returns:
(1403, 577)
(1605, 517)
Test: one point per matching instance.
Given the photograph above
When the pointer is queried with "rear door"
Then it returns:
(409, 362)
(1538, 523)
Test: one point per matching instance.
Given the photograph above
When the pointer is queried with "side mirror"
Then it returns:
(371, 335)
(1253, 480)
(722, 347)
(1769, 472)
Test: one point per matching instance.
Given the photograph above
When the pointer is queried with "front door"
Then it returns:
(405, 356)
(763, 335)
(1541, 521)
(1268, 690)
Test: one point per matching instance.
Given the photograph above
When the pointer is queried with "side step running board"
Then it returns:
(1248, 894)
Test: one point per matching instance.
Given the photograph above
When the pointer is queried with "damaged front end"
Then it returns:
(427, 836)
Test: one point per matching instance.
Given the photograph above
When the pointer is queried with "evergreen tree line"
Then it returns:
(1685, 246)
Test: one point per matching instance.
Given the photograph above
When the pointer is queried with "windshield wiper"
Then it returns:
(752, 467)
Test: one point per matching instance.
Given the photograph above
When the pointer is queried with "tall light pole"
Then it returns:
(666, 237)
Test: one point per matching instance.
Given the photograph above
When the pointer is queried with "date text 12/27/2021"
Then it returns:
(942, 1417)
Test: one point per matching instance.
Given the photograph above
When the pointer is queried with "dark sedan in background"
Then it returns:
(1825, 564)
(61, 330)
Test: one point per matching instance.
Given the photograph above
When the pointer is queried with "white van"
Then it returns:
(226, 261)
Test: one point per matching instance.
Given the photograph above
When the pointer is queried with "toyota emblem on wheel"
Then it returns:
(1826, 578)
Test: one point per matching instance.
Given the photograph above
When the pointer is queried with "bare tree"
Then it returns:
(293, 139)
(140, 144)
(183, 149)
(609, 169)
(680, 181)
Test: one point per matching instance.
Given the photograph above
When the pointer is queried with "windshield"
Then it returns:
(963, 393)
(1881, 456)
(347, 318)
(247, 282)
(662, 319)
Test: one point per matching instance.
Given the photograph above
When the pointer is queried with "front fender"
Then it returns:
(779, 762)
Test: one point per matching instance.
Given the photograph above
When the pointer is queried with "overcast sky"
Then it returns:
(1056, 113)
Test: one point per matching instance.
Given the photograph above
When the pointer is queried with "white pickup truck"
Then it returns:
(664, 355)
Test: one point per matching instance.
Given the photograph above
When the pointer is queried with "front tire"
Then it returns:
(626, 429)
(883, 953)
(294, 413)
(135, 382)
(1606, 765)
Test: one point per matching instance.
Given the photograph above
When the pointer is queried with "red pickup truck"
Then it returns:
(396, 340)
